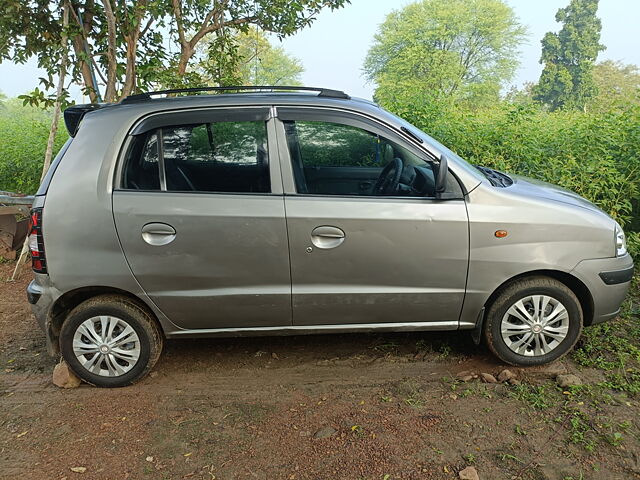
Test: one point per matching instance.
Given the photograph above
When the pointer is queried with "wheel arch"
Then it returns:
(575, 284)
(71, 299)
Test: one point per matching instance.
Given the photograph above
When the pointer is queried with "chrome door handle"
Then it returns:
(326, 237)
(158, 234)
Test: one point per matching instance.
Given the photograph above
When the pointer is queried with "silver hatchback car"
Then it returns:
(294, 212)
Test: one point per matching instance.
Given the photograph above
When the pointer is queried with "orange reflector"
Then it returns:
(501, 233)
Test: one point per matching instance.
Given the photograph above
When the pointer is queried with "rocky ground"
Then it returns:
(385, 407)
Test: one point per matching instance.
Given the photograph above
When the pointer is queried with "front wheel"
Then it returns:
(110, 341)
(533, 321)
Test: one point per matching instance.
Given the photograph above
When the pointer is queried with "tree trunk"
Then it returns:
(85, 69)
(185, 55)
(80, 47)
(130, 74)
(112, 65)
(57, 106)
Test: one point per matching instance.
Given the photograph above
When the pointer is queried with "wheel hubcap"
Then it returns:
(535, 325)
(106, 346)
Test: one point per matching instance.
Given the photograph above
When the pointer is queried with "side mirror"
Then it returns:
(441, 175)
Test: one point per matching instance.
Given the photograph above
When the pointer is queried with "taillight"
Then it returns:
(36, 242)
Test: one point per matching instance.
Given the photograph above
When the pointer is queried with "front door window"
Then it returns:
(337, 159)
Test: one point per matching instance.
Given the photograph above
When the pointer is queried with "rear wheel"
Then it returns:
(533, 321)
(110, 341)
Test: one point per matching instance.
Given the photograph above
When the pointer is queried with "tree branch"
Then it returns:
(110, 91)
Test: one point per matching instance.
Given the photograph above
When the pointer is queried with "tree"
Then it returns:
(568, 57)
(112, 44)
(445, 49)
(118, 47)
(255, 62)
(617, 84)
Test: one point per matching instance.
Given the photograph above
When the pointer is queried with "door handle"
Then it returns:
(158, 234)
(326, 237)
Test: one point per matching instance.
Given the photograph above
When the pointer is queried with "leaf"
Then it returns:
(78, 469)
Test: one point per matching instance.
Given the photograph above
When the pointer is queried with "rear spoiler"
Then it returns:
(74, 114)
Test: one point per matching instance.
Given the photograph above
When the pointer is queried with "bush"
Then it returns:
(24, 132)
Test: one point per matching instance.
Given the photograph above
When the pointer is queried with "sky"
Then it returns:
(333, 48)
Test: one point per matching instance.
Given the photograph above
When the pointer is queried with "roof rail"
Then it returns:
(322, 92)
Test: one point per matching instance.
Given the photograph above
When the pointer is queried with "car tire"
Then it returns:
(533, 321)
(126, 330)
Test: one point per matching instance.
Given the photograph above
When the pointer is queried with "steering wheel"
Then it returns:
(389, 178)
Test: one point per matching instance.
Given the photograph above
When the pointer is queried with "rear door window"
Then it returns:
(224, 157)
(217, 157)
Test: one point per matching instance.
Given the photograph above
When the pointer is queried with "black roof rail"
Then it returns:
(322, 92)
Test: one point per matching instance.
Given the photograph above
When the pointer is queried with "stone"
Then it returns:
(466, 378)
(488, 378)
(568, 380)
(464, 373)
(469, 473)
(325, 432)
(514, 381)
(420, 356)
(506, 375)
(63, 377)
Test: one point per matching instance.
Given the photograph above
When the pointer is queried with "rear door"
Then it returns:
(199, 212)
(359, 255)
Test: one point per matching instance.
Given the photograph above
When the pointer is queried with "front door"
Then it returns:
(369, 242)
(200, 215)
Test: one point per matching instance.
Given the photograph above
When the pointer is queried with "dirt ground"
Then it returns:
(383, 407)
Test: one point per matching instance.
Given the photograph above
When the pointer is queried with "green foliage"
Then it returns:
(24, 132)
(445, 49)
(247, 58)
(568, 57)
(618, 86)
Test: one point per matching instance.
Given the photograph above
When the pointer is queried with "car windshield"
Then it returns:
(438, 146)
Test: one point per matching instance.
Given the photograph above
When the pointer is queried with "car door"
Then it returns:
(359, 256)
(199, 212)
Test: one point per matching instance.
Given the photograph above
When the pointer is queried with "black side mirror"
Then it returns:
(441, 175)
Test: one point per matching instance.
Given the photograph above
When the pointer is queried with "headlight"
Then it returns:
(621, 242)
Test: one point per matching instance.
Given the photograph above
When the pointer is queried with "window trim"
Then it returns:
(357, 120)
(163, 174)
(190, 117)
(237, 113)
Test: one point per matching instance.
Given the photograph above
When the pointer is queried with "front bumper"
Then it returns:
(608, 280)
